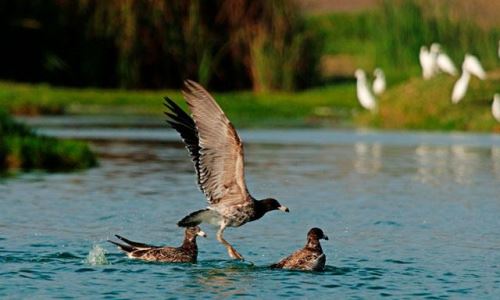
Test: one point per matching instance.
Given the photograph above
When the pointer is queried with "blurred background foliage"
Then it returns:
(86, 57)
(390, 36)
(229, 44)
(224, 44)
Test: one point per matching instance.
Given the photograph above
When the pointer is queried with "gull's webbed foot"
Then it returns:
(233, 253)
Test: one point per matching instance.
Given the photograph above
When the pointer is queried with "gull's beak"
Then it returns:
(325, 237)
(284, 208)
(202, 233)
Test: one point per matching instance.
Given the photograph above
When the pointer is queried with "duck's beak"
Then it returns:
(325, 237)
(284, 208)
(202, 234)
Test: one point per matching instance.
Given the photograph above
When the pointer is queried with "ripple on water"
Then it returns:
(35, 274)
(42, 245)
(59, 257)
(397, 261)
(331, 286)
(388, 223)
(84, 270)
(331, 270)
(109, 270)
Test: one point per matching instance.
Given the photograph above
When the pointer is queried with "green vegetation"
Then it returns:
(20, 148)
(420, 104)
(414, 104)
(265, 46)
(224, 44)
(390, 36)
(306, 108)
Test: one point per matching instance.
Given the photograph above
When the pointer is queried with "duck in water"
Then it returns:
(309, 258)
(186, 253)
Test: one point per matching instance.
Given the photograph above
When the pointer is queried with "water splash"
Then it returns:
(97, 256)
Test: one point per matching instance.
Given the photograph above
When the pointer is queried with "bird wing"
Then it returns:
(283, 263)
(219, 157)
(184, 124)
(301, 259)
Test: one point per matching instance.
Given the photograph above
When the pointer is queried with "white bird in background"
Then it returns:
(426, 63)
(473, 66)
(365, 97)
(442, 61)
(495, 107)
(445, 64)
(433, 54)
(460, 87)
(379, 82)
(498, 48)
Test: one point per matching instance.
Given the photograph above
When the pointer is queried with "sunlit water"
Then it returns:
(408, 215)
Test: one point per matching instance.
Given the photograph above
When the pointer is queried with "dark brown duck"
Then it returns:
(217, 153)
(187, 252)
(309, 258)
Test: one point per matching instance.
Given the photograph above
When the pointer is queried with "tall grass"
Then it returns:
(405, 25)
(391, 35)
(224, 44)
(284, 52)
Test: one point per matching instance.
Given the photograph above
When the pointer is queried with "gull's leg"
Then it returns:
(230, 250)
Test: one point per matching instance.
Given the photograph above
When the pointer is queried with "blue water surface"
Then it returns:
(408, 216)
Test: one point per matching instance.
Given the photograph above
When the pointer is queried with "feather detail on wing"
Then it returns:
(302, 260)
(184, 124)
(220, 154)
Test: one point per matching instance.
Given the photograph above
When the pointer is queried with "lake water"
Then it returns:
(408, 216)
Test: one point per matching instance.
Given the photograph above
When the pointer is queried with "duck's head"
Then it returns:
(193, 232)
(316, 234)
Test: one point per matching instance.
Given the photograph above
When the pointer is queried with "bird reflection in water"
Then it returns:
(368, 158)
(464, 163)
(495, 158)
(432, 163)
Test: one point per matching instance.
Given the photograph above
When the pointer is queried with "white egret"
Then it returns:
(473, 66)
(379, 82)
(433, 54)
(445, 64)
(495, 107)
(460, 87)
(442, 61)
(426, 63)
(365, 97)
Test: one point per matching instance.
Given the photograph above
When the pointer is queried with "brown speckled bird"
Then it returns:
(217, 153)
(309, 258)
(186, 253)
